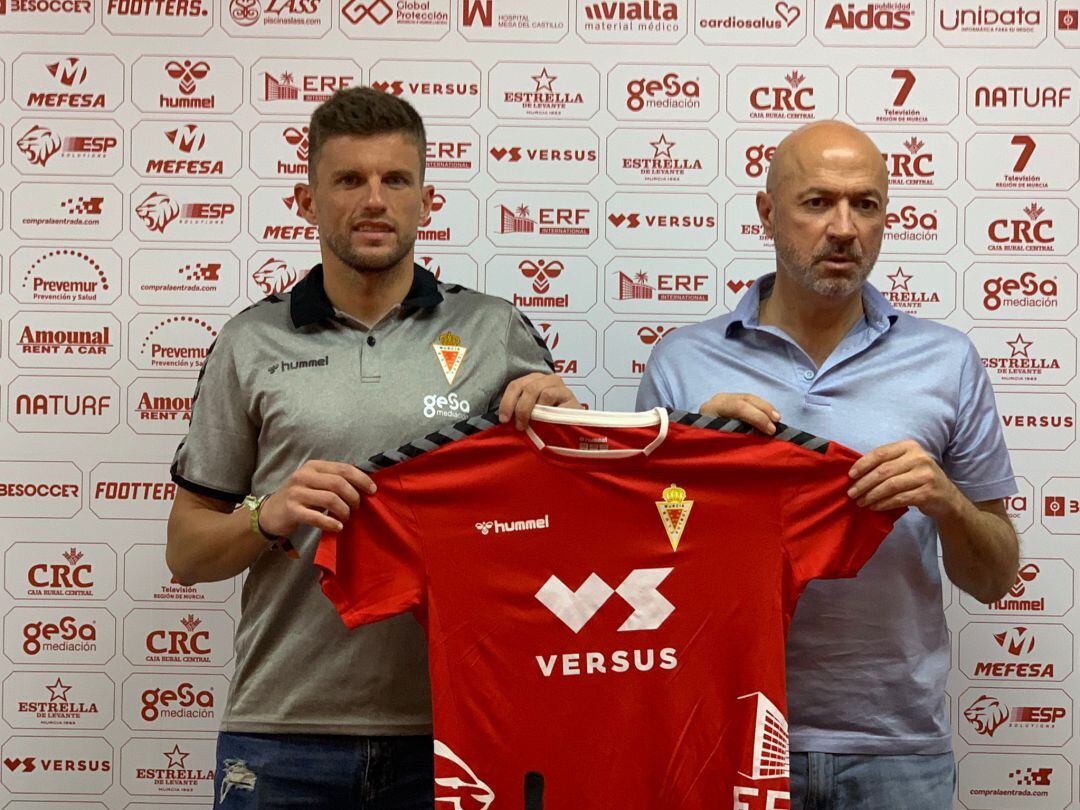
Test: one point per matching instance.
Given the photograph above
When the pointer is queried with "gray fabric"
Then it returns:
(290, 380)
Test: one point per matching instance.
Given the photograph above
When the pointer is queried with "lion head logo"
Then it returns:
(39, 144)
(157, 211)
(986, 714)
(274, 276)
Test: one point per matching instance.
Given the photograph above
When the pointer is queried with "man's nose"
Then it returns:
(375, 199)
(841, 225)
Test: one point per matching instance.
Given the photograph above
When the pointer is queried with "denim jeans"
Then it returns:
(872, 782)
(323, 772)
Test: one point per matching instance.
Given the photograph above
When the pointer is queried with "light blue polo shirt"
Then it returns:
(867, 657)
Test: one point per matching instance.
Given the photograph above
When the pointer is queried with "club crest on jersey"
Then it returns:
(674, 512)
(450, 353)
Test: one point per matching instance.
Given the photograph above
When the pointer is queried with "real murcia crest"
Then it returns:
(674, 512)
(450, 353)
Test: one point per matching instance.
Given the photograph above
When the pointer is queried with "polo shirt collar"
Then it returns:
(880, 314)
(309, 303)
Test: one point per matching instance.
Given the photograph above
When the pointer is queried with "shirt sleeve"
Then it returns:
(827, 535)
(526, 351)
(653, 389)
(976, 459)
(373, 569)
(217, 457)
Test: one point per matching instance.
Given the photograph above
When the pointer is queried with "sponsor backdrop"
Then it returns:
(595, 162)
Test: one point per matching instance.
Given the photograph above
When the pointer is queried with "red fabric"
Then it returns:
(657, 714)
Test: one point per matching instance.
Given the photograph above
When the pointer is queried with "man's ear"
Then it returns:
(305, 203)
(765, 210)
(427, 198)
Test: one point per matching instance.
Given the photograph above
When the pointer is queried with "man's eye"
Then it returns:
(868, 205)
(815, 202)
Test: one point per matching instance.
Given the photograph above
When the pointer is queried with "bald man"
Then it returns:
(815, 344)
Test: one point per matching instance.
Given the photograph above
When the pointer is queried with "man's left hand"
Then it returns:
(902, 474)
(524, 393)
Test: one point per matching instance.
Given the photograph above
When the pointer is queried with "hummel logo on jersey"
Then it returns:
(502, 527)
(290, 365)
(639, 590)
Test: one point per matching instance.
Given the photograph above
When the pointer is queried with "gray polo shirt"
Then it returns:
(292, 379)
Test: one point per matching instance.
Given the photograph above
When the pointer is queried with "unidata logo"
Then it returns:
(530, 218)
(168, 767)
(1038, 225)
(668, 156)
(187, 84)
(925, 289)
(68, 405)
(196, 150)
(663, 93)
(533, 155)
(797, 93)
(654, 221)
(627, 345)
(185, 213)
(1040, 161)
(59, 570)
(199, 637)
(1031, 356)
(752, 22)
(69, 635)
(397, 19)
(550, 90)
(157, 701)
(1007, 291)
(659, 285)
(281, 86)
(58, 700)
(989, 23)
(513, 20)
(274, 18)
(632, 21)
(543, 282)
(437, 89)
(67, 275)
(903, 95)
(42, 339)
(919, 225)
(63, 82)
(890, 24)
(1003, 96)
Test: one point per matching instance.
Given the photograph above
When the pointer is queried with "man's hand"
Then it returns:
(524, 393)
(750, 409)
(902, 474)
(320, 494)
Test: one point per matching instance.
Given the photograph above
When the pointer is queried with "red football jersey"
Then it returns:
(606, 598)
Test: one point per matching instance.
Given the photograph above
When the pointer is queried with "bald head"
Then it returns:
(822, 141)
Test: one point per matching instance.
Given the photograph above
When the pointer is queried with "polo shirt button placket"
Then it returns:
(370, 367)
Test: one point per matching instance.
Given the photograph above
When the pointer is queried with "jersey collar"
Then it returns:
(611, 419)
(309, 303)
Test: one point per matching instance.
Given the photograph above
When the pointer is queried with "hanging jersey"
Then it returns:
(606, 598)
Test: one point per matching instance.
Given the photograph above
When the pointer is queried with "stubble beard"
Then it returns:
(825, 286)
(341, 246)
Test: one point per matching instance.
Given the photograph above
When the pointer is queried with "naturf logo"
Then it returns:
(296, 86)
(51, 700)
(166, 213)
(903, 95)
(1009, 652)
(1040, 161)
(67, 82)
(456, 783)
(631, 21)
(927, 289)
(990, 23)
(873, 24)
(438, 89)
(752, 22)
(1044, 357)
(640, 590)
(927, 160)
(998, 96)
(70, 405)
(919, 225)
(65, 275)
(204, 149)
(191, 638)
(674, 512)
(653, 92)
(544, 90)
(549, 155)
(1042, 225)
(162, 767)
(1012, 292)
(59, 635)
(758, 93)
(665, 157)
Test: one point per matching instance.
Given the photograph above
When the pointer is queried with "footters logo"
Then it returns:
(131, 490)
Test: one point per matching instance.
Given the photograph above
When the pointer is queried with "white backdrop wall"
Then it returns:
(596, 163)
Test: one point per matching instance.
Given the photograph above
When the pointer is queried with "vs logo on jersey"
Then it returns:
(674, 513)
(450, 353)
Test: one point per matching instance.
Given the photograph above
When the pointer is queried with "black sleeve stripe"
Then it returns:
(433, 441)
(538, 339)
(209, 492)
(784, 433)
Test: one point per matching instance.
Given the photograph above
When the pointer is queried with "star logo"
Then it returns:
(544, 82)
(899, 280)
(662, 147)
(1019, 346)
(177, 757)
(58, 691)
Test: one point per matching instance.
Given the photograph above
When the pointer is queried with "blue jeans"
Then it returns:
(323, 772)
(872, 782)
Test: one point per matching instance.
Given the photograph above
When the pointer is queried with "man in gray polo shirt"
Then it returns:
(365, 353)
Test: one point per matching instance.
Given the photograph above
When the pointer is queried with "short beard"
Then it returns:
(825, 287)
(341, 247)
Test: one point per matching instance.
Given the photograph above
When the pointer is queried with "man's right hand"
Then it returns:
(750, 409)
(320, 494)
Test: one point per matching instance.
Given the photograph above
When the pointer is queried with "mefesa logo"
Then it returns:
(533, 155)
(925, 289)
(274, 217)
(627, 345)
(752, 22)
(185, 213)
(560, 91)
(68, 275)
(187, 84)
(68, 404)
(651, 221)
(281, 86)
(512, 20)
(554, 282)
(632, 21)
(170, 702)
(1015, 652)
(870, 24)
(1036, 225)
(168, 767)
(44, 339)
(668, 156)
(398, 19)
(1028, 356)
(903, 95)
(67, 146)
(1041, 161)
(660, 285)
(997, 96)
(663, 92)
(62, 82)
(197, 637)
(757, 93)
(989, 23)
(131, 490)
(170, 149)
(68, 635)
(59, 570)
(443, 89)
(271, 18)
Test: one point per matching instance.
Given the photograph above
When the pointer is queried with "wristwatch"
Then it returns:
(253, 503)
